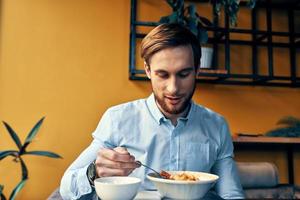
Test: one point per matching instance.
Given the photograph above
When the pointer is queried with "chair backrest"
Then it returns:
(258, 174)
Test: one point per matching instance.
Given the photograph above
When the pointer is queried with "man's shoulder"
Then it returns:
(213, 122)
(203, 112)
(128, 107)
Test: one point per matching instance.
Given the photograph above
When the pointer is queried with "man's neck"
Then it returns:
(174, 117)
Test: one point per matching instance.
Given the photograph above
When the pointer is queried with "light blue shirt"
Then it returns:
(199, 142)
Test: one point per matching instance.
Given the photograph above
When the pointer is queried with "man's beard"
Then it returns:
(174, 111)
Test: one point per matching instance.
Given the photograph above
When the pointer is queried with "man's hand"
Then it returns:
(115, 162)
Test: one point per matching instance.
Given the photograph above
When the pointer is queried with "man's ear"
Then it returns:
(198, 70)
(147, 70)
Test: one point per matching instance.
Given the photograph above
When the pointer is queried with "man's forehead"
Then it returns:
(187, 48)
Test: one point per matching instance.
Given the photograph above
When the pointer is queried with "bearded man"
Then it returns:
(165, 131)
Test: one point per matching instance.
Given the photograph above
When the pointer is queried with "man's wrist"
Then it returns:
(92, 173)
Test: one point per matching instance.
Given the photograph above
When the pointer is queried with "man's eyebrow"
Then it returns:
(160, 71)
(187, 69)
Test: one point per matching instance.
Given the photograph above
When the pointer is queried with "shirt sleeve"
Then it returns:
(74, 183)
(228, 185)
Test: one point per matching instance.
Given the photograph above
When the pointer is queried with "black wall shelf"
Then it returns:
(222, 38)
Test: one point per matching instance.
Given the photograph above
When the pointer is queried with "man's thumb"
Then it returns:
(121, 150)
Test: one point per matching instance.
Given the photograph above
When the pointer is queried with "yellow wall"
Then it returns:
(68, 60)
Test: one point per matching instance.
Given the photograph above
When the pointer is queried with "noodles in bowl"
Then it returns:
(183, 176)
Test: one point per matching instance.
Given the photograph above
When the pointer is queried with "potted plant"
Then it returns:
(188, 16)
(290, 127)
(18, 155)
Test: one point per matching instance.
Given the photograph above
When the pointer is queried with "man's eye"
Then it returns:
(183, 74)
(162, 75)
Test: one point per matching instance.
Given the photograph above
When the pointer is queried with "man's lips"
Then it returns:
(173, 100)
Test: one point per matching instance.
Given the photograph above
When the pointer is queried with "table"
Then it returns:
(147, 195)
(154, 195)
(270, 143)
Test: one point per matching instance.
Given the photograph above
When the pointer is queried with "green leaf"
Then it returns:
(174, 18)
(202, 36)
(164, 19)
(251, 3)
(24, 169)
(34, 130)
(43, 153)
(2, 197)
(176, 4)
(217, 9)
(4, 154)
(1, 188)
(13, 134)
(17, 189)
(32, 134)
(289, 121)
(204, 21)
(284, 132)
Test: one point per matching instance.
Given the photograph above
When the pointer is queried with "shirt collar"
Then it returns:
(158, 116)
(190, 112)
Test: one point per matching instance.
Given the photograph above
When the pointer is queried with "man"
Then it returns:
(166, 131)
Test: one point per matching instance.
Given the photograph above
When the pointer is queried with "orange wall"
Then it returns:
(68, 60)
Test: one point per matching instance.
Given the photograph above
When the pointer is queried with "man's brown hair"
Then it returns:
(166, 36)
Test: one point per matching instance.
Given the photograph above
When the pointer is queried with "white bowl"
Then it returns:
(117, 187)
(176, 189)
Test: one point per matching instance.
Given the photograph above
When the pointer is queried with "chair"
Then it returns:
(260, 181)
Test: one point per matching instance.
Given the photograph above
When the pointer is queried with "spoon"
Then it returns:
(156, 172)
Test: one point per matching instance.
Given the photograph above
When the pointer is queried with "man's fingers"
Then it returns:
(121, 150)
(115, 162)
(104, 172)
(116, 165)
(115, 156)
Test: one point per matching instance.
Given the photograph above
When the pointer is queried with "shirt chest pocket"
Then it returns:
(198, 157)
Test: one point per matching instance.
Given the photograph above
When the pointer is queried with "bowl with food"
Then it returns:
(117, 187)
(183, 184)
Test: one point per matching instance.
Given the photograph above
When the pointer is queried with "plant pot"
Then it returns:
(206, 57)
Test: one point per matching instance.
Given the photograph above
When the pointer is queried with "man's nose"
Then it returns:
(172, 86)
